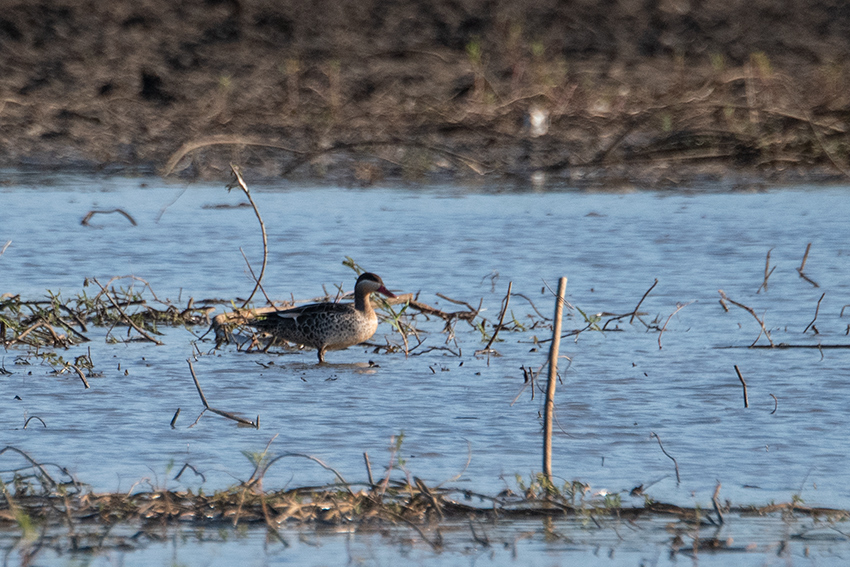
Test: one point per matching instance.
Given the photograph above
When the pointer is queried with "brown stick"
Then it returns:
(744, 384)
(501, 317)
(226, 414)
(81, 375)
(751, 312)
(816, 316)
(256, 279)
(549, 412)
(803, 266)
(664, 328)
(218, 140)
(634, 313)
(669, 456)
(32, 417)
(368, 468)
(775, 404)
(125, 316)
(87, 218)
(715, 500)
(241, 183)
(767, 271)
(198, 385)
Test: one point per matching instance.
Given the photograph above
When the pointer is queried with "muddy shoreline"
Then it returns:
(627, 93)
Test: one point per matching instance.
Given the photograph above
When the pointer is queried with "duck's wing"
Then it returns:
(304, 311)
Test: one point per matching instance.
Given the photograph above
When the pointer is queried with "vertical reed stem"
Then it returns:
(744, 384)
(553, 378)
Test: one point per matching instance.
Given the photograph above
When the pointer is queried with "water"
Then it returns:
(466, 243)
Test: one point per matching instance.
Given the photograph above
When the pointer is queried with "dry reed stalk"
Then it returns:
(368, 468)
(751, 312)
(90, 214)
(664, 328)
(803, 266)
(669, 456)
(634, 313)
(227, 140)
(32, 417)
(744, 384)
(767, 271)
(81, 375)
(244, 187)
(812, 324)
(548, 414)
(501, 316)
(124, 316)
(254, 277)
(227, 414)
(716, 501)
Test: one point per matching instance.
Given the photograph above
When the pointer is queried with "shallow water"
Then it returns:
(754, 542)
(466, 243)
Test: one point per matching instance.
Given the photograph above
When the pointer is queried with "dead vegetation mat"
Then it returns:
(33, 497)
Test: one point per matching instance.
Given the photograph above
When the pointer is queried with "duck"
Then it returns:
(328, 326)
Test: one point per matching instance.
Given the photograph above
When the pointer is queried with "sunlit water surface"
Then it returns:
(457, 413)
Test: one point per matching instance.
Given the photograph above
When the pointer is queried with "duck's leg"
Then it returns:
(321, 355)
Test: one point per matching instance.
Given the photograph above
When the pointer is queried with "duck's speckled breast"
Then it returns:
(352, 328)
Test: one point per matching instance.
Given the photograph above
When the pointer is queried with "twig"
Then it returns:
(174, 419)
(32, 462)
(679, 307)
(315, 460)
(37, 325)
(428, 310)
(812, 324)
(767, 271)
(217, 140)
(3, 250)
(528, 379)
(81, 375)
(190, 467)
(368, 468)
(553, 379)
(241, 183)
(455, 301)
(751, 312)
(198, 385)
(775, 404)
(27, 422)
(716, 502)
(124, 315)
(254, 277)
(87, 218)
(634, 313)
(227, 414)
(501, 318)
(532, 306)
(803, 266)
(669, 456)
(744, 384)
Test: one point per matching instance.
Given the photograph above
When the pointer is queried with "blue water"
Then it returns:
(466, 243)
